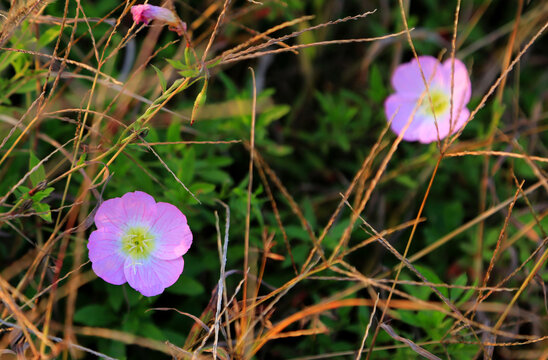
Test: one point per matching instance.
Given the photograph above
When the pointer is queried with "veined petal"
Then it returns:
(407, 77)
(462, 87)
(139, 208)
(428, 131)
(103, 243)
(107, 262)
(173, 236)
(400, 109)
(110, 269)
(111, 214)
(153, 275)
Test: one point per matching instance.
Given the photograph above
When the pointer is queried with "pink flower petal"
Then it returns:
(154, 275)
(428, 131)
(107, 262)
(111, 214)
(146, 13)
(462, 118)
(172, 232)
(137, 13)
(462, 85)
(407, 78)
(160, 13)
(103, 243)
(139, 208)
(403, 108)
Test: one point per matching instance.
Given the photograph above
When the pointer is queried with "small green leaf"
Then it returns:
(44, 209)
(177, 64)
(407, 181)
(174, 131)
(81, 160)
(455, 293)
(186, 286)
(189, 72)
(377, 91)
(48, 36)
(273, 114)
(39, 174)
(160, 77)
(94, 315)
(42, 194)
(202, 188)
(116, 297)
(22, 191)
(151, 331)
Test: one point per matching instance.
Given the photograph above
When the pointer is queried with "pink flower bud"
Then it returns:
(146, 13)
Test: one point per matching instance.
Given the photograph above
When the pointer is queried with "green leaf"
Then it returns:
(160, 77)
(433, 278)
(201, 188)
(186, 171)
(94, 315)
(174, 132)
(177, 64)
(377, 92)
(116, 297)
(273, 114)
(189, 73)
(215, 175)
(186, 286)
(48, 36)
(39, 174)
(42, 194)
(42, 208)
(151, 331)
(407, 181)
(455, 293)
(22, 191)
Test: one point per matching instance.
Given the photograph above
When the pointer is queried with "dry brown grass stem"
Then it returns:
(238, 57)
(220, 19)
(17, 14)
(361, 174)
(293, 35)
(499, 80)
(404, 261)
(263, 35)
(130, 339)
(495, 209)
(276, 212)
(292, 203)
(496, 153)
(359, 354)
(245, 319)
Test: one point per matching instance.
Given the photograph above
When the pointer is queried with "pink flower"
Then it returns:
(409, 86)
(139, 241)
(146, 13)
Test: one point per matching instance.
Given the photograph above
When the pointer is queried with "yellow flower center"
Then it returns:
(440, 103)
(138, 243)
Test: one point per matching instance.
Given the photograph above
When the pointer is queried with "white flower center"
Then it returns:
(138, 242)
(440, 103)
